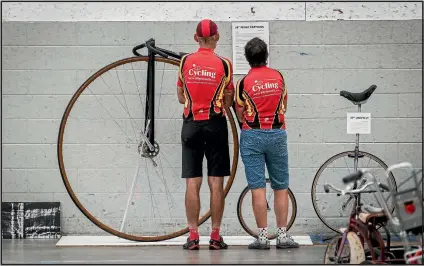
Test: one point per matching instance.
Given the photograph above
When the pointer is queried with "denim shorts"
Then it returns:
(260, 147)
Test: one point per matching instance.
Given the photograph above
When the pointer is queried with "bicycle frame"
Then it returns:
(363, 231)
(368, 233)
(402, 222)
(355, 157)
(148, 135)
(149, 122)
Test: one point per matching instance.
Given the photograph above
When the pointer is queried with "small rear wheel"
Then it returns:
(247, 218)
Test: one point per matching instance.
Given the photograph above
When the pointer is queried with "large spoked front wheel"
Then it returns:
(246, 216)
(126, 188)
(334, 209)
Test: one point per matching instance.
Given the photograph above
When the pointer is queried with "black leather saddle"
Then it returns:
(358, 96)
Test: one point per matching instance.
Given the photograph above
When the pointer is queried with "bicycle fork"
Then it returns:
(356, 250)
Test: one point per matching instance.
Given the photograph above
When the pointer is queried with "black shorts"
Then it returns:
(210, 138)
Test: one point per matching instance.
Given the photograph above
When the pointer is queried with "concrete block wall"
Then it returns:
(44, 62)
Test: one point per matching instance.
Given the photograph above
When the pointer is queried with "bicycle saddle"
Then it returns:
(372, 209)
(360, 96)
(373, 215)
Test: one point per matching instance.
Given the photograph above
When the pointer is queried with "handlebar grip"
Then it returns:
(134, 50)
(384, 186)
(326, 188)
(155, 50)
(352, 177)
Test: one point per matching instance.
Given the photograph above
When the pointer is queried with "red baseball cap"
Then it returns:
(206, 28)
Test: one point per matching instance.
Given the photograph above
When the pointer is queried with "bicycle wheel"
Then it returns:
(125, 194)
(247, 218)
(331, 252)
(333, 209)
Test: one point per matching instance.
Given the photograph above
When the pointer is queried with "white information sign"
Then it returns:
(242, 33)
(358, 123)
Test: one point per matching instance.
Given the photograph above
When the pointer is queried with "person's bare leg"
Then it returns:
(192, 201)
(281, 207)
(217, 200)
(259, 206)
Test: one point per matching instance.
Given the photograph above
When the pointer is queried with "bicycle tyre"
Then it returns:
(65, 179)
(253, 232)
(321, 169)
(329, 254)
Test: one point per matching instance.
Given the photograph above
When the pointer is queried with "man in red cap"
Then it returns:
(205, 86)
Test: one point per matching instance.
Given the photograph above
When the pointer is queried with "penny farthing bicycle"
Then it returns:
(119, 148)
(119, 151)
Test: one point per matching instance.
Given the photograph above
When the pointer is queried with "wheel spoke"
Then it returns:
(130, 195)
(369, 160)
(172, 168)
(153, 200)
(161, 85)
(139, 94)
(137, 86)
(114, 119)
(126, 109)
(347, 166)
(167, 192)
(125, 101)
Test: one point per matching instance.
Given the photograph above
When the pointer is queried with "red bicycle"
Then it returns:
(361, 242)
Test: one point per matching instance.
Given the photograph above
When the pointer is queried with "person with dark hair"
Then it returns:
(261, 102)
(205, 86)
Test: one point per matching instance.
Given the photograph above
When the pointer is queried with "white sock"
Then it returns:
(263, 235)
(281, 232)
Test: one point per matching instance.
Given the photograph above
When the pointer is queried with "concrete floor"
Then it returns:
(45, 252)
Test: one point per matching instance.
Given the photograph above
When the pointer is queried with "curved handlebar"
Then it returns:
(134, 50)
(362, 186)
(396, 166)
(150, 47)
(347, 191)
(154, 49)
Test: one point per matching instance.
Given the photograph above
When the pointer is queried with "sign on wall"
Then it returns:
(242, 33)
(30, 220)
(358, 123)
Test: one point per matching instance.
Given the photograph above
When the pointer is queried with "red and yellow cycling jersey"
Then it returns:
(262, 91)
(204, 76)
